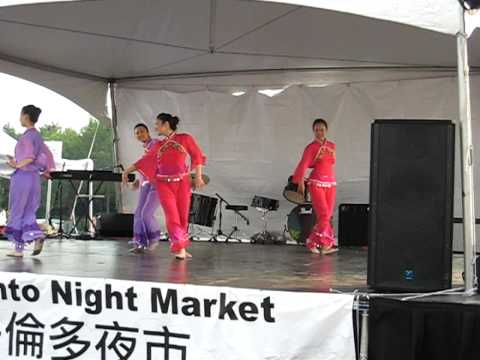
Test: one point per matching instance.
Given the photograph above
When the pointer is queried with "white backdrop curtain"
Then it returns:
(253, 142)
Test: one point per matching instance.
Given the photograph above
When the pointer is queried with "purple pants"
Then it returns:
(23, 203)
(146, 229)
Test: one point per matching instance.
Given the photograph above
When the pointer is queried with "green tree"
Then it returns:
(9, 130)
(3, 193)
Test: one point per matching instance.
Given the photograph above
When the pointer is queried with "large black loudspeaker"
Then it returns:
(411, 205)
(115, 225)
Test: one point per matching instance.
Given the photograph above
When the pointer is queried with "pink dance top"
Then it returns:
(31, 146)
(167, 158)
(321, 158)
(146, 147)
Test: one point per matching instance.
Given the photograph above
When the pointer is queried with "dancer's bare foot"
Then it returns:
(136, 250)
(329, 250)
(15, 254)
(314, 250)
(182, 254)
(38, 247)
(153, 246)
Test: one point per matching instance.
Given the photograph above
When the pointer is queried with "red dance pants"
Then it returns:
(175, 200)
(323, 201)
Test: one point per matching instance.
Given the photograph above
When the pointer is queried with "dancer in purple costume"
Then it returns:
(32, 158)
(145, 227)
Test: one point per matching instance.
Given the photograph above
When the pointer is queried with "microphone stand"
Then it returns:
(61, 232)
(214, 237)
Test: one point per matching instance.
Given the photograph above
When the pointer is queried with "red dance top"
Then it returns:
(167, 158)
(319, 156)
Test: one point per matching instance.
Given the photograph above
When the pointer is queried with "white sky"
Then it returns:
(22, 2)
(15, 93)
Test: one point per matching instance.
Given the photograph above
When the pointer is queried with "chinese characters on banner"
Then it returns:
(26, 339)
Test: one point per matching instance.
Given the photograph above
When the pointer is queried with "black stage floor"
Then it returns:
(274, 267)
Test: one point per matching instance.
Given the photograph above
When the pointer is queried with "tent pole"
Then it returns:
(116, 157)
(465, 117)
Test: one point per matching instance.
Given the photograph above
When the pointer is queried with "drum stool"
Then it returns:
(235, 229)
(264, 205)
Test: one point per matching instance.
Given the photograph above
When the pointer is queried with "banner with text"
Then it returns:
(60, 318)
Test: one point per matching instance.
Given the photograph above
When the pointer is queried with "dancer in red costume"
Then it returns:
(320, 156)
(165, 165)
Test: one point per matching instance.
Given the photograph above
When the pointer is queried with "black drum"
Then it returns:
(202, 210)
(263, 203)
(300, 223)
(290, 192)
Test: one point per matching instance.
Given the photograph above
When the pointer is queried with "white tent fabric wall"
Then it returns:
(253, 142)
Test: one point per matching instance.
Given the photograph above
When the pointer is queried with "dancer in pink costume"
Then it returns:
(165, 164)
(319, 155)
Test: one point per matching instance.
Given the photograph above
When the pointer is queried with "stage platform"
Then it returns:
(441, 327)
(388, 320)
(270, 267)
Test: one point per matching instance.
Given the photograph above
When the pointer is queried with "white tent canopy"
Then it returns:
(187, 56)
(76, 47)
(428, 14)
(433, 15)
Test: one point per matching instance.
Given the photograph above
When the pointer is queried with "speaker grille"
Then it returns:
(411, 197)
